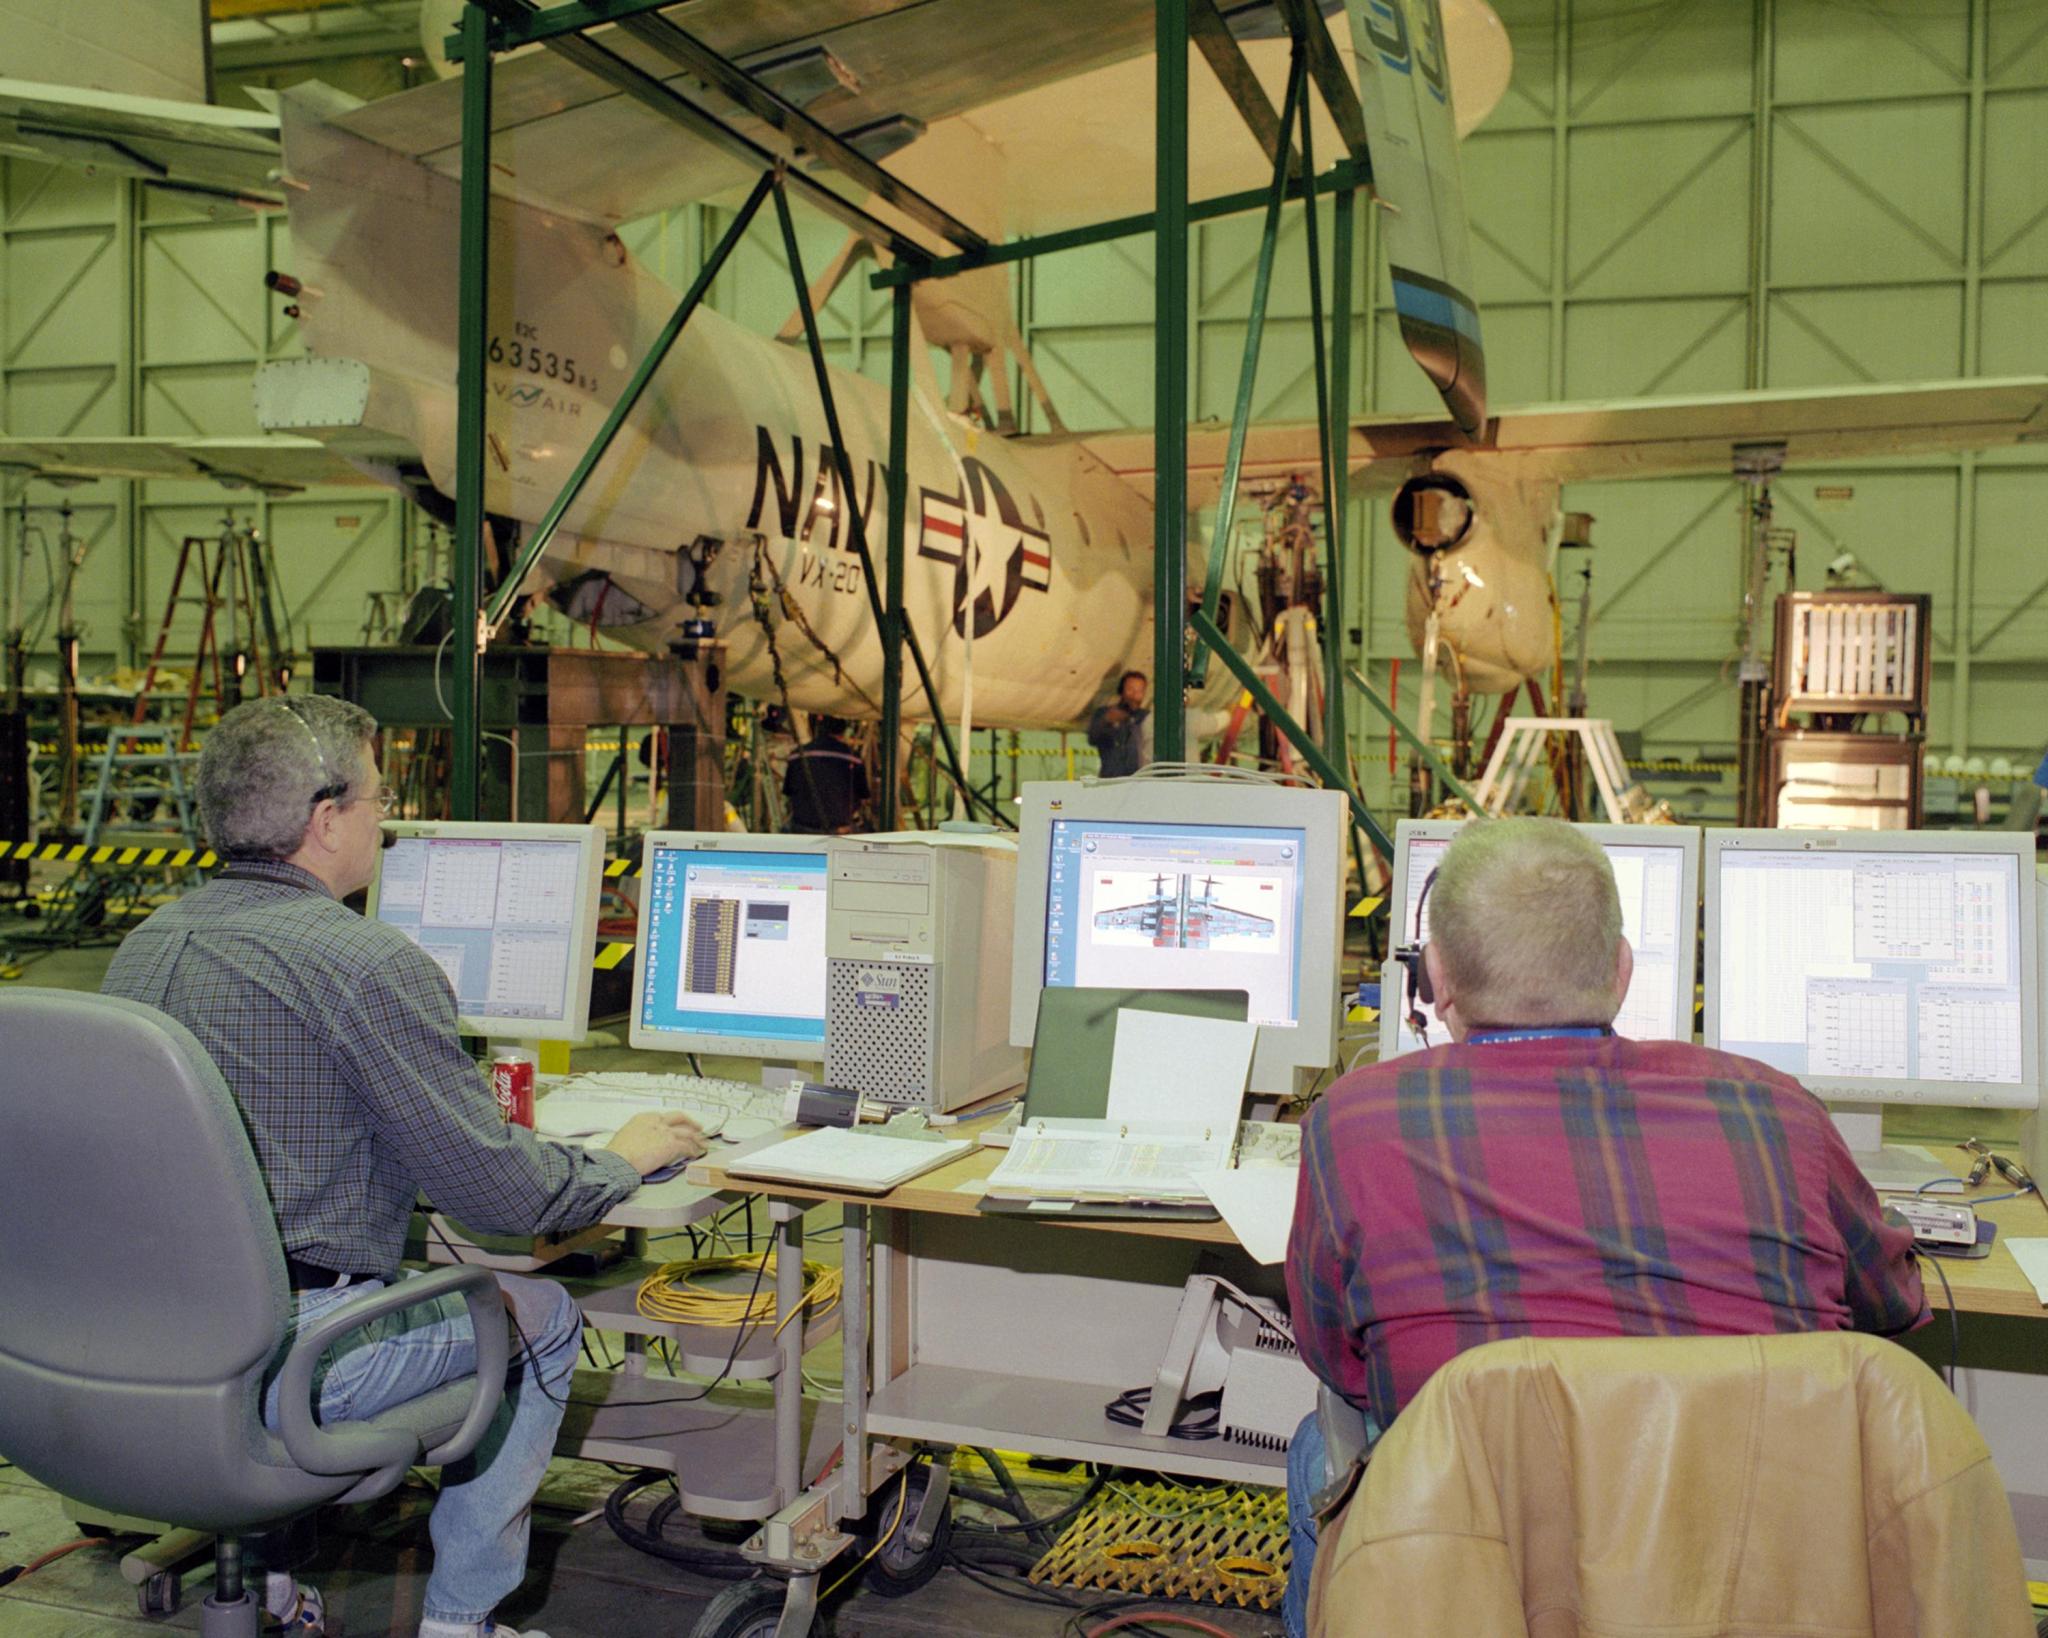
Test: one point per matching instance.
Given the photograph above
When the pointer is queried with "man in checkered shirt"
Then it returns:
(337, 1036)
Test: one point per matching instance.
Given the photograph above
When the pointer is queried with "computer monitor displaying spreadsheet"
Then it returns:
(1657, 873)
(1877, 967)
(1187, 884)
(507, 911)
(732, 945)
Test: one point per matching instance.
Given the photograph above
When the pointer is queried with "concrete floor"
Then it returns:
(371, 1562)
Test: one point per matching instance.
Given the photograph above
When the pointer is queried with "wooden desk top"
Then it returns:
(1990, 1285)
(951, 1190)
(1994, 1284)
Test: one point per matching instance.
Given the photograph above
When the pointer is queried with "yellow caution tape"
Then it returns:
(619, 867)
(1367, 905)
(611, 955)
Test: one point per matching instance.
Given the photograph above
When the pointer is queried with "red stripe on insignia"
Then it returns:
(937, 527)
(1042, 562)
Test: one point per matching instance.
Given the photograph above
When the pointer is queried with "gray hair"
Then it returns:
(268, 762)
(1526, 920)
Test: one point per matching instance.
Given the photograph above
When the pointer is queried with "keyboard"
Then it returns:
(596, 1105)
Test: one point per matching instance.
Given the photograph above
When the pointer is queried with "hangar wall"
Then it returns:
(1676, 196)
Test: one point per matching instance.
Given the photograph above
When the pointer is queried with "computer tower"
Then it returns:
(917, 973)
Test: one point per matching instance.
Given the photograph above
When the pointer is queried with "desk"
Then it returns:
(1994, 1284)
(1076, 1312)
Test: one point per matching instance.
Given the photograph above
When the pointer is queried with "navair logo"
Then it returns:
(995, 554)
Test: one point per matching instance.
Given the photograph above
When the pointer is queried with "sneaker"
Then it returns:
(307, 1617)
(463, 1629)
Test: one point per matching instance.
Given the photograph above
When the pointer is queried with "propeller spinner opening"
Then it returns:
(1433, 513)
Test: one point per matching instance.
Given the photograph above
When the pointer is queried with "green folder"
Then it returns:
(1076, 1037)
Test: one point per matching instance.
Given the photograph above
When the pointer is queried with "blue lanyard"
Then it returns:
(1562, 1032)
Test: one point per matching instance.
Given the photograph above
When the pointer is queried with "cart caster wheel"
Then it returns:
(727, 1532)
(750, 1610)
(160, 1595)
(898, 1568)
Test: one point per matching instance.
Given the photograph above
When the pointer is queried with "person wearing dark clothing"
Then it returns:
(1117, 730)
(826, 783)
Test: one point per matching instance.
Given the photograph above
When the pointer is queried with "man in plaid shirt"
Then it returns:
(1540, 1176)
(337, 1037)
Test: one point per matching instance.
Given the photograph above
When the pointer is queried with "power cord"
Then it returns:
(675, 1293)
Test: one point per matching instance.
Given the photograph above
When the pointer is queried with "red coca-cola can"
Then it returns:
(512, 1085)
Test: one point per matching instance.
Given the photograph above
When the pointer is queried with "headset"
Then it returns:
(1421, 993)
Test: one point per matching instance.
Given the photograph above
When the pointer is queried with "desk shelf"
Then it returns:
(951, 1405)
(721, 1449)
(607, 1301)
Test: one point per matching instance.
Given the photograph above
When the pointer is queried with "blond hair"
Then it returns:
(1526, 920)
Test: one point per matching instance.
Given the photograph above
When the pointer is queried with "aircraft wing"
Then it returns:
(572, 143)
(1628, 438)
(1238, 923)
(1136, 918)
(188, 145)
(274, 465)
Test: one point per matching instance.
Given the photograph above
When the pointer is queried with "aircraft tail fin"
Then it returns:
(1405, 91)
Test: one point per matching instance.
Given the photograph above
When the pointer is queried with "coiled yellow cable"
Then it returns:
(676, 1292)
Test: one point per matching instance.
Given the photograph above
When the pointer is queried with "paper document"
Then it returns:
(1050, 1162)
(1169, 1067)
(1258, 1204)
(860, 1162)
(2032, 1256)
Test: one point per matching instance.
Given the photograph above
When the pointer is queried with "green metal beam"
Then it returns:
(472, 338)
(849, 497)
(537, 543)
(805, 135)
(1343, 176)
(1331, 775)
(1332, 424)
(892, 551)
(1420, 746)
(536, 25)
(1305, 23)
(1337, 497)
(1248, 371)
(1234, 73)
(663, 99)
(1170, 392)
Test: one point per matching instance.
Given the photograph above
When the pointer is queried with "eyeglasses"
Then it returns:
(386, 800)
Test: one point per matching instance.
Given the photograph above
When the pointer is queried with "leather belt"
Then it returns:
(305, 1276)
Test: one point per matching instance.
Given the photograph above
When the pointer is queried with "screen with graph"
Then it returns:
(507, 912)
(1656, 873)
(1882, 966)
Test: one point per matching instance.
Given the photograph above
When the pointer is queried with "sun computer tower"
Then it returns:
(917, 970)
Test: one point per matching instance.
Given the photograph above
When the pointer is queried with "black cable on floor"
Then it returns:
(697, 1560)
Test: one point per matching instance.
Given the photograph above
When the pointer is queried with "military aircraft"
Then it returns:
(1029, 557)
(1182, 918)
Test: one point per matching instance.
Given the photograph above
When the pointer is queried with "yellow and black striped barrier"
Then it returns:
(139, 856)
(110, 853)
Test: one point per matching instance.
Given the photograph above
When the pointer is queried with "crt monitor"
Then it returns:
(509, 912)
(1187, 884)
(1657, 873)
(1877, 966)
(732, 945)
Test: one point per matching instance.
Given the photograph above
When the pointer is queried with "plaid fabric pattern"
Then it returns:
(1576, 1188)
(337, 1036)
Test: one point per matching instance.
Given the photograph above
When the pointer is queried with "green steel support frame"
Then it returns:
(1248, 371)
(473, 272)
(1313, 754)
(1420, 746)
(856, 524)
(629, 399)
(892, 553)
(1170, 400)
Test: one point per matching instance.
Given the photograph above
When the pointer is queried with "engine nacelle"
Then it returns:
(1480, 557)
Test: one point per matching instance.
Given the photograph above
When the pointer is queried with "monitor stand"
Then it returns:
(1890, 1171)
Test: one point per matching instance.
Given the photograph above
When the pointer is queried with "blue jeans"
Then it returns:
(481, 1522)
(1307, 1461)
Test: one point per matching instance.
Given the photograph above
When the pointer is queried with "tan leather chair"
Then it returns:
(1808, 1486)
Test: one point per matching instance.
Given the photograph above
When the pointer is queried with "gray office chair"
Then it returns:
(145, 1299)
